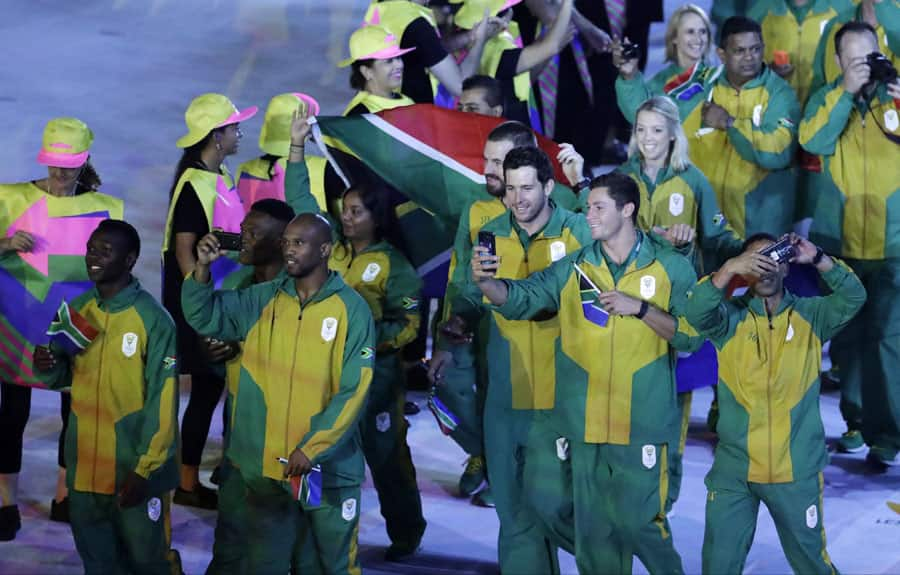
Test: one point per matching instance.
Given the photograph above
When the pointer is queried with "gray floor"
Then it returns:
(129, 68)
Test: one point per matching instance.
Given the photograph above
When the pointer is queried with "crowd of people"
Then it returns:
(568, 305)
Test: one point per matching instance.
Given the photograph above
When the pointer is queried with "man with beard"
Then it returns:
(771, 440)
(290, 416)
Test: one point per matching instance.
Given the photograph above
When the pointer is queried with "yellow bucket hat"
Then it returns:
(373, 43)
(275, 137)
(66, 143)
(472, 11)
(208, 112)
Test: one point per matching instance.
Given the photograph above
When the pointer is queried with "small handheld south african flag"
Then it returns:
(446, 419)
(71, 331)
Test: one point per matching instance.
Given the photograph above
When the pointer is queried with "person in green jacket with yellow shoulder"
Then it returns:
(123, 429)
(853, 126)
(619, 303)
(771, 439)
(366, 255)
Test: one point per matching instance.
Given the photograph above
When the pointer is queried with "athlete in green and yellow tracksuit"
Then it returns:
(521, 379)
(283, 405)
(771, 439)
(123, 428)
(391, 287)
(749, 163)
(856, 217)
(683, 197)
(687, 87)
(795, 30)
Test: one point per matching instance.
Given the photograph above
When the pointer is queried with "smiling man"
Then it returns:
(123, 428)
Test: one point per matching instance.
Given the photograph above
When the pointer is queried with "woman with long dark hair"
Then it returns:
(202, 198)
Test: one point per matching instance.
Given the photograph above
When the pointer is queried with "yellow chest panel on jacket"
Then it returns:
(799, 40)
(672, 202)
(532, 349)
(296, 362)
(610, 355)
(107, 385)
(480, 213)
(368, 274)
(769, 370)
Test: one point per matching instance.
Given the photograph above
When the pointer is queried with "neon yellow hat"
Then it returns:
(66, 143)
(275, 136)
(472, 11)
(373, 43)
(208, 112)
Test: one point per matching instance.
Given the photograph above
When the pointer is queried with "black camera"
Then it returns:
(881, 69)
(633, 52)
(781, 251)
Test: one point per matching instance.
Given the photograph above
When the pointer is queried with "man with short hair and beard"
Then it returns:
(615, 407)
(771, 440)
(290, 416)
(481, 95)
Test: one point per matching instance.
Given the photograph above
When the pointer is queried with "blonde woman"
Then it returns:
(685, 79)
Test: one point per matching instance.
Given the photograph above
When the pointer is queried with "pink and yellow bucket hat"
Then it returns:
(66, 143)
(373, 42)
(275, 136)
(208, 112)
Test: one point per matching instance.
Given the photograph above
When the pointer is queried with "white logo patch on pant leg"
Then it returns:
(383, 421)
(812, 516)
(648, 456)
(154, 509)
(348, 509)
(562, 448)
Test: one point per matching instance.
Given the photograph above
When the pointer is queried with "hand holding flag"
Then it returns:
(590, 305)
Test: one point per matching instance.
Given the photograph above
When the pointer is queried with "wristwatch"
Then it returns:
(820, 253)
(582, 184)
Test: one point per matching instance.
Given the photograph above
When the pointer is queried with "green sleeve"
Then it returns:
(826, 116)
(338, 422)
(724, 9)
(771, 144)
(538, 292)
(297, 191)
(888, 13)
(400, 320)
(682, 277)
(822, 52)
(159, 420)
(716, 234)
(225, 314)
(705, 310)
(847, 297)
(630, 94)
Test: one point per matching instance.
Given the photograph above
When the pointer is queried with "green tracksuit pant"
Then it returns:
(676, 467)
(284, 535)
(523, 547)
(614, 506)
(462, 391)
(387, 454)
(114, 541)
(230, 545)
(868, 350)
(731, 509)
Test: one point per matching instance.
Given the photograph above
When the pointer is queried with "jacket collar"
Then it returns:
(122, 300)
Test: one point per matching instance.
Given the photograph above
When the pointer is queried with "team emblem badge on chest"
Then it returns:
(676, 204)
(329, 328)
(371, 272)
(557, 251)
(648, 287)
(129, 344)
(891, 121)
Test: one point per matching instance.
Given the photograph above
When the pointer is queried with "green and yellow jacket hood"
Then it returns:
(825, 69)
(857, 205)
(796, 31)
(770, 428)
(522, 366)
(748, 165)
(616, 383)
(684, 197)
(687, 87)
(124, 395)
(304, 376)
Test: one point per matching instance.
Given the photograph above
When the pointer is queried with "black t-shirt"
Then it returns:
(188, 217)
(422, 36)
(513, 108)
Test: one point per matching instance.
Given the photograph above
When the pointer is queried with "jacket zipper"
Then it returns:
(97, 400)
(287, 426)
(769, 391)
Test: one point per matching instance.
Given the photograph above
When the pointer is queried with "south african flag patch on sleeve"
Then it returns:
(367, 353)
(410, 303)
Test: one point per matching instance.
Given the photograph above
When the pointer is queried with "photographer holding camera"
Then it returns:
(853, 124)
(771, 439)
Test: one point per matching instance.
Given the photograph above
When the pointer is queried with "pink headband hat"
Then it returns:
(65, 144)
(372, 42)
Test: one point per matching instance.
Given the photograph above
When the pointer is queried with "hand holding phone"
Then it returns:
(228, 241)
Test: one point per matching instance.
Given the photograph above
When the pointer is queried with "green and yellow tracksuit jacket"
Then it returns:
(826, 70)
(722, 10)
(616, 383)
(304, 375)
(795, 30)
(687, 87)
(124, 395)
(857, 203)
(749, 164)
(522, 352)
(770, 428)
(684, 198)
